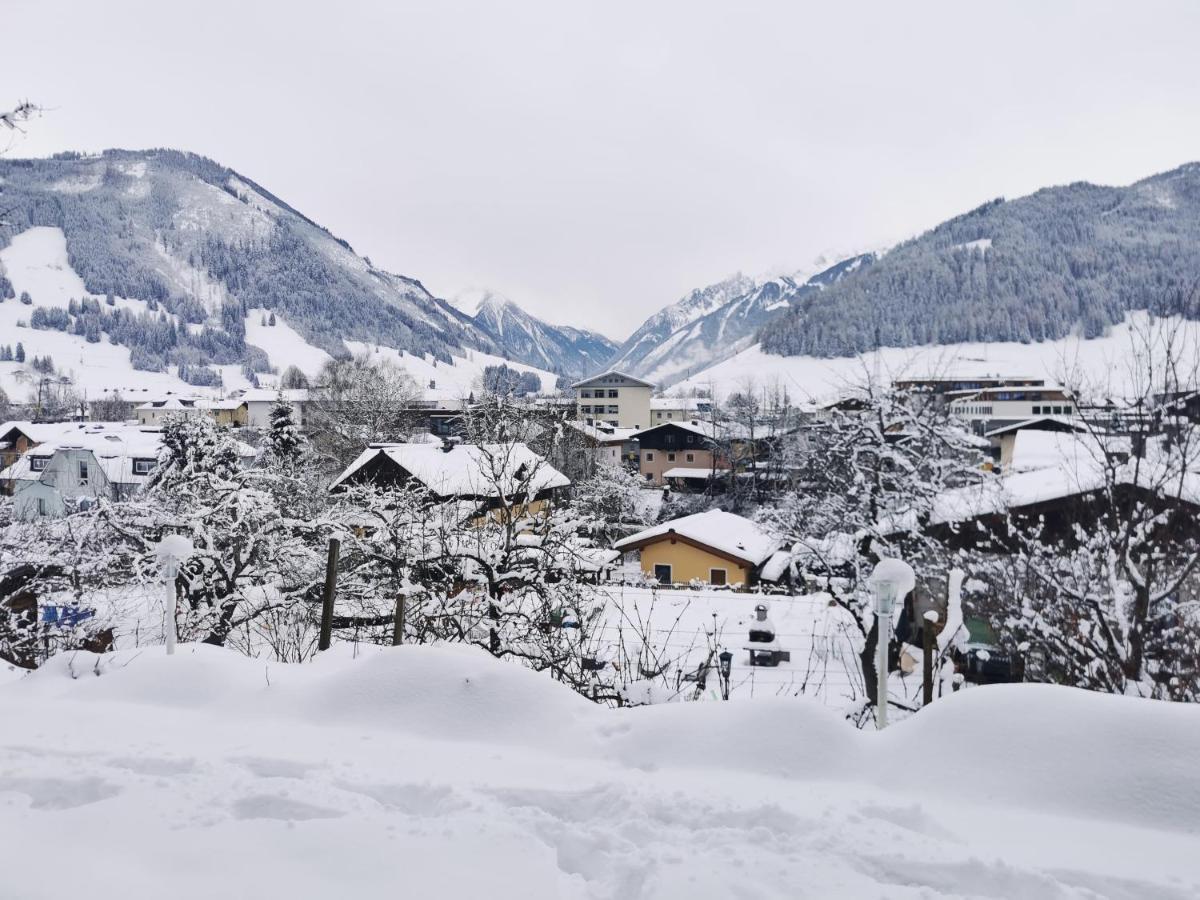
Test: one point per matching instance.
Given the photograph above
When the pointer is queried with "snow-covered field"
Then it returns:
(1103, 365)
(439, 772)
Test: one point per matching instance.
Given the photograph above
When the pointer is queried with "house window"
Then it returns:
(612, 395)
(691, 457)
(613, 410)
(690, 437)
(649, 456)
(662, 573)
(670, 415)
(716, 576)
(83, 472)
(586, 395)
(585, 409)
(670, 457)
(659, 415)
(41, 506)
(38, 463)
(143, 466)
(1037, 410)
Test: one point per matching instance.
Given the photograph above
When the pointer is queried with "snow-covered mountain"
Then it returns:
(709, 331)
(664, 323)
(559, 348)
(179, 249)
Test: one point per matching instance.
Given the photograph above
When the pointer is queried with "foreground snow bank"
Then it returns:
(425, 771)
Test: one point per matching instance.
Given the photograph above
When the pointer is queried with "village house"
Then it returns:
(991, 408)
(109, 460)
(153, 412)
(259, 402)
(230, 413)
(679, 450)
(678, 409)
(1003, 441)
(485, 477)
(713, 547)
(939, 389)
(608, 445)
(100, 460)
(17, 437)
(613, 398)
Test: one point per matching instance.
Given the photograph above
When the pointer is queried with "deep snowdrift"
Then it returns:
(427, 772)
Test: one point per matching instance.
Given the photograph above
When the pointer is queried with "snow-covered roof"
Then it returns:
(268, 395)
(1045, 449)
(1082, 475)
(232, 403)
(673, 403)
(40, 432)
(113, 446)
(466, 470)
(612, 373)
(1040, 423)
(168, 404)
(730, 534)
(605, 434)
(693, 472)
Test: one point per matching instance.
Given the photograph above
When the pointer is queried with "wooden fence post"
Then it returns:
(327, 598)
(398, 622)
(927, 661)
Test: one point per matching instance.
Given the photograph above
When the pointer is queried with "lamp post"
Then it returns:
(725, 665)
(172, 550)
(890, 581)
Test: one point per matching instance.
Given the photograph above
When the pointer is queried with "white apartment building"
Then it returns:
(613, 398)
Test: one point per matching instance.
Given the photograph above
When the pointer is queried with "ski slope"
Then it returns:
(441, 772)
(1104, 366)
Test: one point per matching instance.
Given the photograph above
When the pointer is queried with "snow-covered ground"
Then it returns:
(439, 772)
(1102, 364)
(283, 345)
(682, 625)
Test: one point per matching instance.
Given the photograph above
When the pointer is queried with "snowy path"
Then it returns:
(427, 773)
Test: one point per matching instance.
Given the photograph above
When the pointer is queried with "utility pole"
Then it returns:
(931, 618)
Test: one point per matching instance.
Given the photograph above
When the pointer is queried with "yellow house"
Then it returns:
(713, 547)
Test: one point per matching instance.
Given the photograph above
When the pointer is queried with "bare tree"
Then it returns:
(359, 401)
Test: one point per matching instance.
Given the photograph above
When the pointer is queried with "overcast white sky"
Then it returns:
(594, 161)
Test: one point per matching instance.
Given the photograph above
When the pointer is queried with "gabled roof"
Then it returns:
(268, 395)
(1040, 423)
(169, 404)
(465, 470)
(728, 534)
(113, 447)
(612, 372)
(604, 434)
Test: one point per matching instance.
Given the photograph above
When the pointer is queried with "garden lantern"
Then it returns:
(890, 581)
(172, 550)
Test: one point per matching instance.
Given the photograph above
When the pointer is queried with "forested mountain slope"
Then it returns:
(1064, 259)
(200, 245)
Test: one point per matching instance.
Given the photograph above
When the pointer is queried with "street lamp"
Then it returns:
(891, 581)
(724, 665)
(172, 550)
